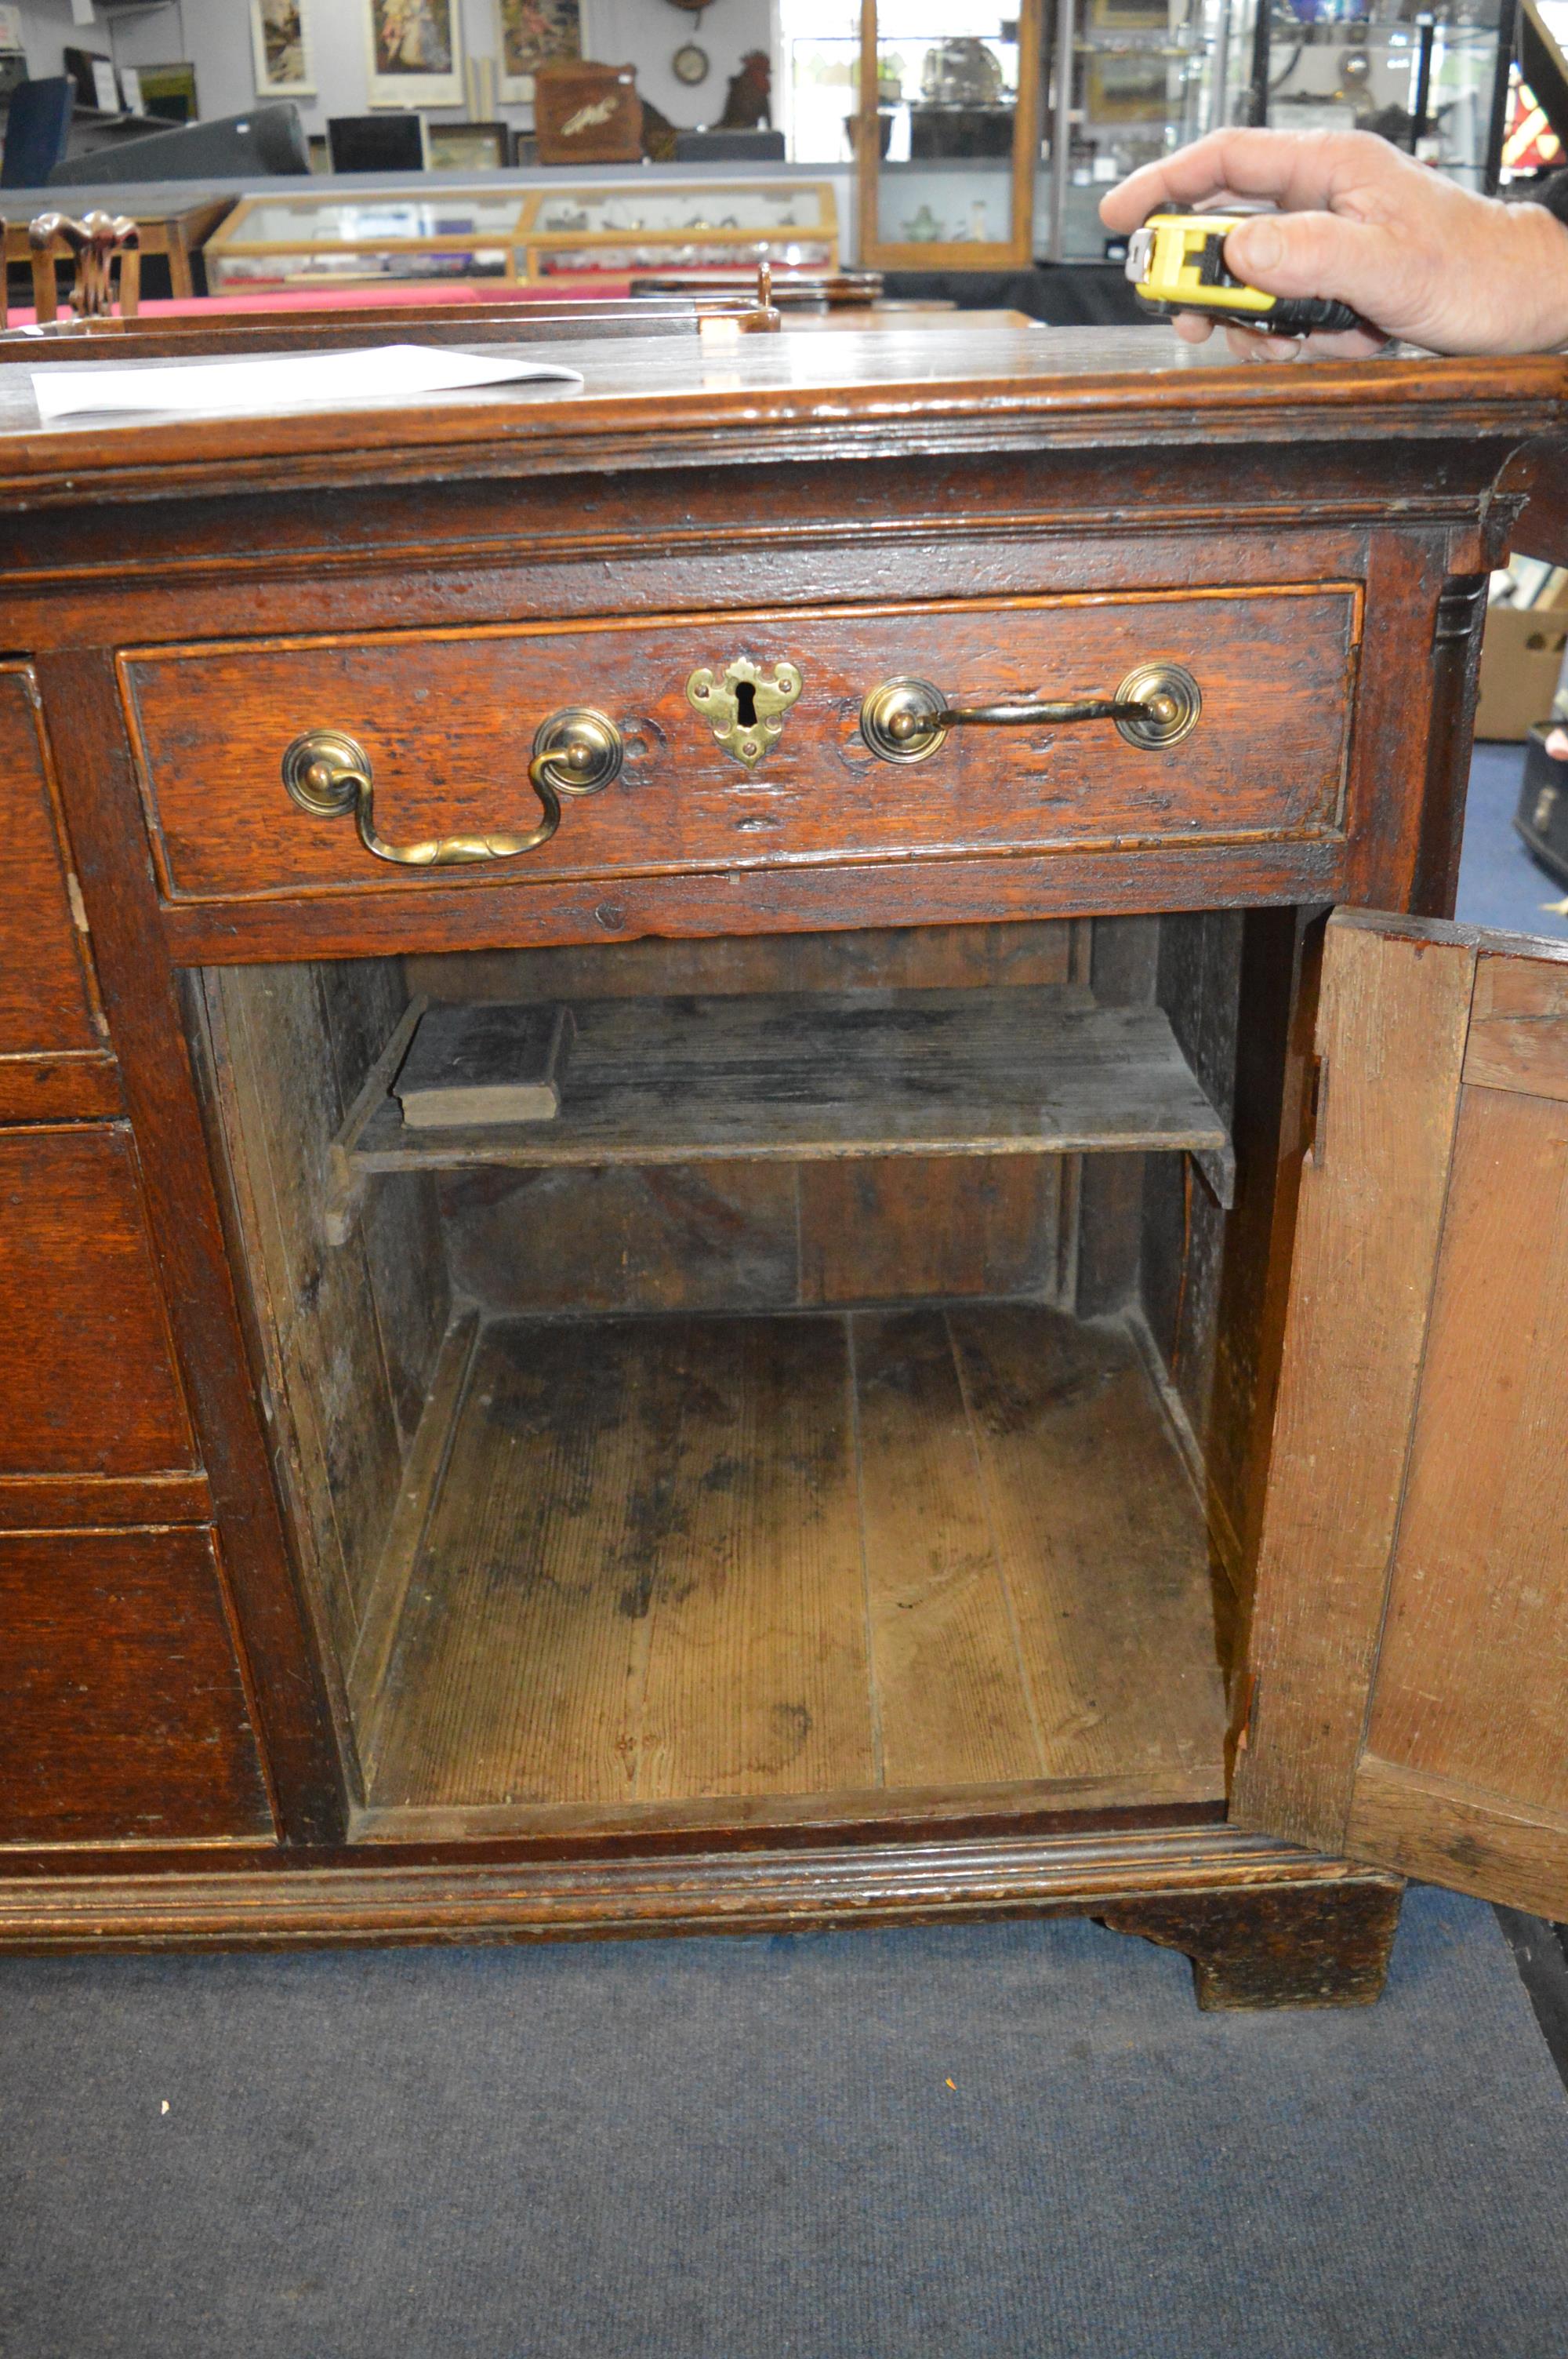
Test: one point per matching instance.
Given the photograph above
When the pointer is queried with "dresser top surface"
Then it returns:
(680, 398)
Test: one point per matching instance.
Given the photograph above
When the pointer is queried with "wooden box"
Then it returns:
(1521, 662)
(587, 114)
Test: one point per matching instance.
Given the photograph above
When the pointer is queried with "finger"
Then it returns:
(1246, 346)
(1296, 169)
(1353, 344)
(1193, 326)
(1186, 177)
(1318, 253)
(1218, 201)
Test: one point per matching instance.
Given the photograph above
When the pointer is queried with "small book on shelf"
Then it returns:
(483, 1064)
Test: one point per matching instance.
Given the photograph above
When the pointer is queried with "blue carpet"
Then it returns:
(1499, 884)
(1017, 2141)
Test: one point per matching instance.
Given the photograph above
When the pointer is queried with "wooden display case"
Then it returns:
(1024, 1374)
(528, 235)
(946, 167)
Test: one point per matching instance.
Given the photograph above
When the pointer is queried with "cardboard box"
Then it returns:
(1521, 656)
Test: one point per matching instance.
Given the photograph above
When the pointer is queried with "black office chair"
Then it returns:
(376, 143)
(730, 147)
(36, 129)
(268, 142)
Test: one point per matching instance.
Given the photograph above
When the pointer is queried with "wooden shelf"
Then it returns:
(810, 1076)
(806, 1562)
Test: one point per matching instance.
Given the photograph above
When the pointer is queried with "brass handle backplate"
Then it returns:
(577, 752)
(906, 719)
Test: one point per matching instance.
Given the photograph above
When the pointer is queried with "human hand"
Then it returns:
(1358, 222)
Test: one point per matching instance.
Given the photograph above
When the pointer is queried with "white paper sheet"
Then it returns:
(283, 381)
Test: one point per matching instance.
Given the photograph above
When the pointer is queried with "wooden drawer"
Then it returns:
(123, 1712)
(448, 722)
(87, 1375)
(54, 1058)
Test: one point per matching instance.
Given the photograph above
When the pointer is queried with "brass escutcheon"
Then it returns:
(745, 710)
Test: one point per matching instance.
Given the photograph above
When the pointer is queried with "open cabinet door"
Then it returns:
(1409, 1648)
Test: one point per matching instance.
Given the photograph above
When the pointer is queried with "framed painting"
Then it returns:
(280, 45)
(170, 90)
(416, 52)
(533, 33)
(468, 146)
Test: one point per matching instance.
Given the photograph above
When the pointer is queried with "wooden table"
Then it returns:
(897, 318)
(175, 232)
(825, 1474)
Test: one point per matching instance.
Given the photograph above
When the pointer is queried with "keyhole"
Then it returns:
(745, 704)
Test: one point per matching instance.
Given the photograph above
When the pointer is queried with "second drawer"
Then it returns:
(87, 1372)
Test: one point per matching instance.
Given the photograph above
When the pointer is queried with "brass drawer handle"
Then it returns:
(577, 752)
(905, 720)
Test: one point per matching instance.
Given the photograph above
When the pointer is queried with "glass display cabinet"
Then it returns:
(640, 225)
(1432, 81)
(1148, 75)
(305, 240)
(947, 134)
(523, 234)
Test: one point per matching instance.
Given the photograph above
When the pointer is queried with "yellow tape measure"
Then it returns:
(1176, 263)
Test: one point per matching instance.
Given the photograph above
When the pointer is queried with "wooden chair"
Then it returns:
(94, 242)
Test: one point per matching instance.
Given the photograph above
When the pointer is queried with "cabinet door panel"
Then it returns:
(123, 1715)
(1410, 1647)
(86, 1378)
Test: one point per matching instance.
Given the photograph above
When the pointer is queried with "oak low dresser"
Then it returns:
(1026, 1373)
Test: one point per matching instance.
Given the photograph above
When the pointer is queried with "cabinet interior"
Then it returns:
(797, 1426)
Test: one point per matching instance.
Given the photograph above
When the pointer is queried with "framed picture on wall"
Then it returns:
(170, 90)
(281, 43)
(468, 146)
(416, 52)
(533, 32)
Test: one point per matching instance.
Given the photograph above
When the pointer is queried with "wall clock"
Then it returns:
(689, 63)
